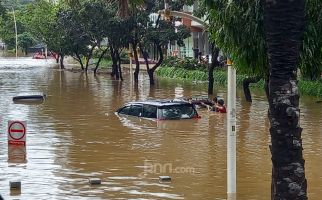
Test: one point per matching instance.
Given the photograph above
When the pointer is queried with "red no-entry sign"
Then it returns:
(17, 132)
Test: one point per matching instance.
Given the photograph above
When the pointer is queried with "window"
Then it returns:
(136, 110)
(177, 112)
(125, 110)
(149, 111)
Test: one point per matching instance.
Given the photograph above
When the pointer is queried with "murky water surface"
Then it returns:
(75, 135)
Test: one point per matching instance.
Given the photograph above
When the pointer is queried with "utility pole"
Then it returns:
(14, 19)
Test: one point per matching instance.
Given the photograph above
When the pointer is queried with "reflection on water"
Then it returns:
(74, 135)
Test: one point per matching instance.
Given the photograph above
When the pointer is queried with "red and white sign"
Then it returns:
(17, 132)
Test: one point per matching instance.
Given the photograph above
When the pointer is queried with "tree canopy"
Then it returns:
(237, 28)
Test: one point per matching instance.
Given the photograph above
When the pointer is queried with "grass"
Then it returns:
(104, 64)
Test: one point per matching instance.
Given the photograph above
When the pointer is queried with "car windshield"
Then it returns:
(185, 111)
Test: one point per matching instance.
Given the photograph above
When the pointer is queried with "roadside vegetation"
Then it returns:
(306, 87)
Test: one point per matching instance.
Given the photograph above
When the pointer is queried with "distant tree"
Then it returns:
(7, 28)
(118, 42)
(247, 48)
(125, 7)
(84, 28)
(160, 35)
(25, 40)
(40, 19)
(144, 33)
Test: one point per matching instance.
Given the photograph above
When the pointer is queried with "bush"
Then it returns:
(184, 63)
(313, 88)
(125, 59)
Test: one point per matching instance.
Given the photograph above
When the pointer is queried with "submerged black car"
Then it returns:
(160, 109)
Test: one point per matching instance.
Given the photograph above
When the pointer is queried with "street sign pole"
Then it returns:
(231, 133)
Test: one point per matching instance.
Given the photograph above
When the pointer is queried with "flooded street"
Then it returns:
(75, 135)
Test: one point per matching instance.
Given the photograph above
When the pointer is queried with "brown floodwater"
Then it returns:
(75, 135)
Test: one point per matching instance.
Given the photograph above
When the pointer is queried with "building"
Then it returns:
(199, 40)
(197, 43)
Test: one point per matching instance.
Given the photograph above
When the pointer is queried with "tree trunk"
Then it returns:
(62, 61)
(151, 71)
(246, 83)
(118, 57)
(79, 59)
(137, 63)
(145, 57)
(89, 56)
(114, 65)
(112, 57)
(284, 24)
(86, 63)
(99, 60)
(214, 63)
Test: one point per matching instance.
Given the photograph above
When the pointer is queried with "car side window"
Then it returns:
(136, 110)
(149, 111)
(125, 110)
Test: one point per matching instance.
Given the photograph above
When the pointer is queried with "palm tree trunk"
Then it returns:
(284, 23)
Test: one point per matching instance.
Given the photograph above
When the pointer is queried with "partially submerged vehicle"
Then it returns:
(29, 97)
(160, 109)
(40, 55)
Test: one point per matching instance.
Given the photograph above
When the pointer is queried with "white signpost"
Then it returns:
(231, 133)
(17, 132)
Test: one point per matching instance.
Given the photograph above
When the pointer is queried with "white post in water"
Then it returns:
(46, 51)
(231, 133)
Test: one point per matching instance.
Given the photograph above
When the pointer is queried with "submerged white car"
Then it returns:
(160, 109)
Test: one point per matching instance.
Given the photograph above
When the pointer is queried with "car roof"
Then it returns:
(160, 102)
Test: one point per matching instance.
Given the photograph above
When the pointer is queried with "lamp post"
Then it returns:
(14, 19)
